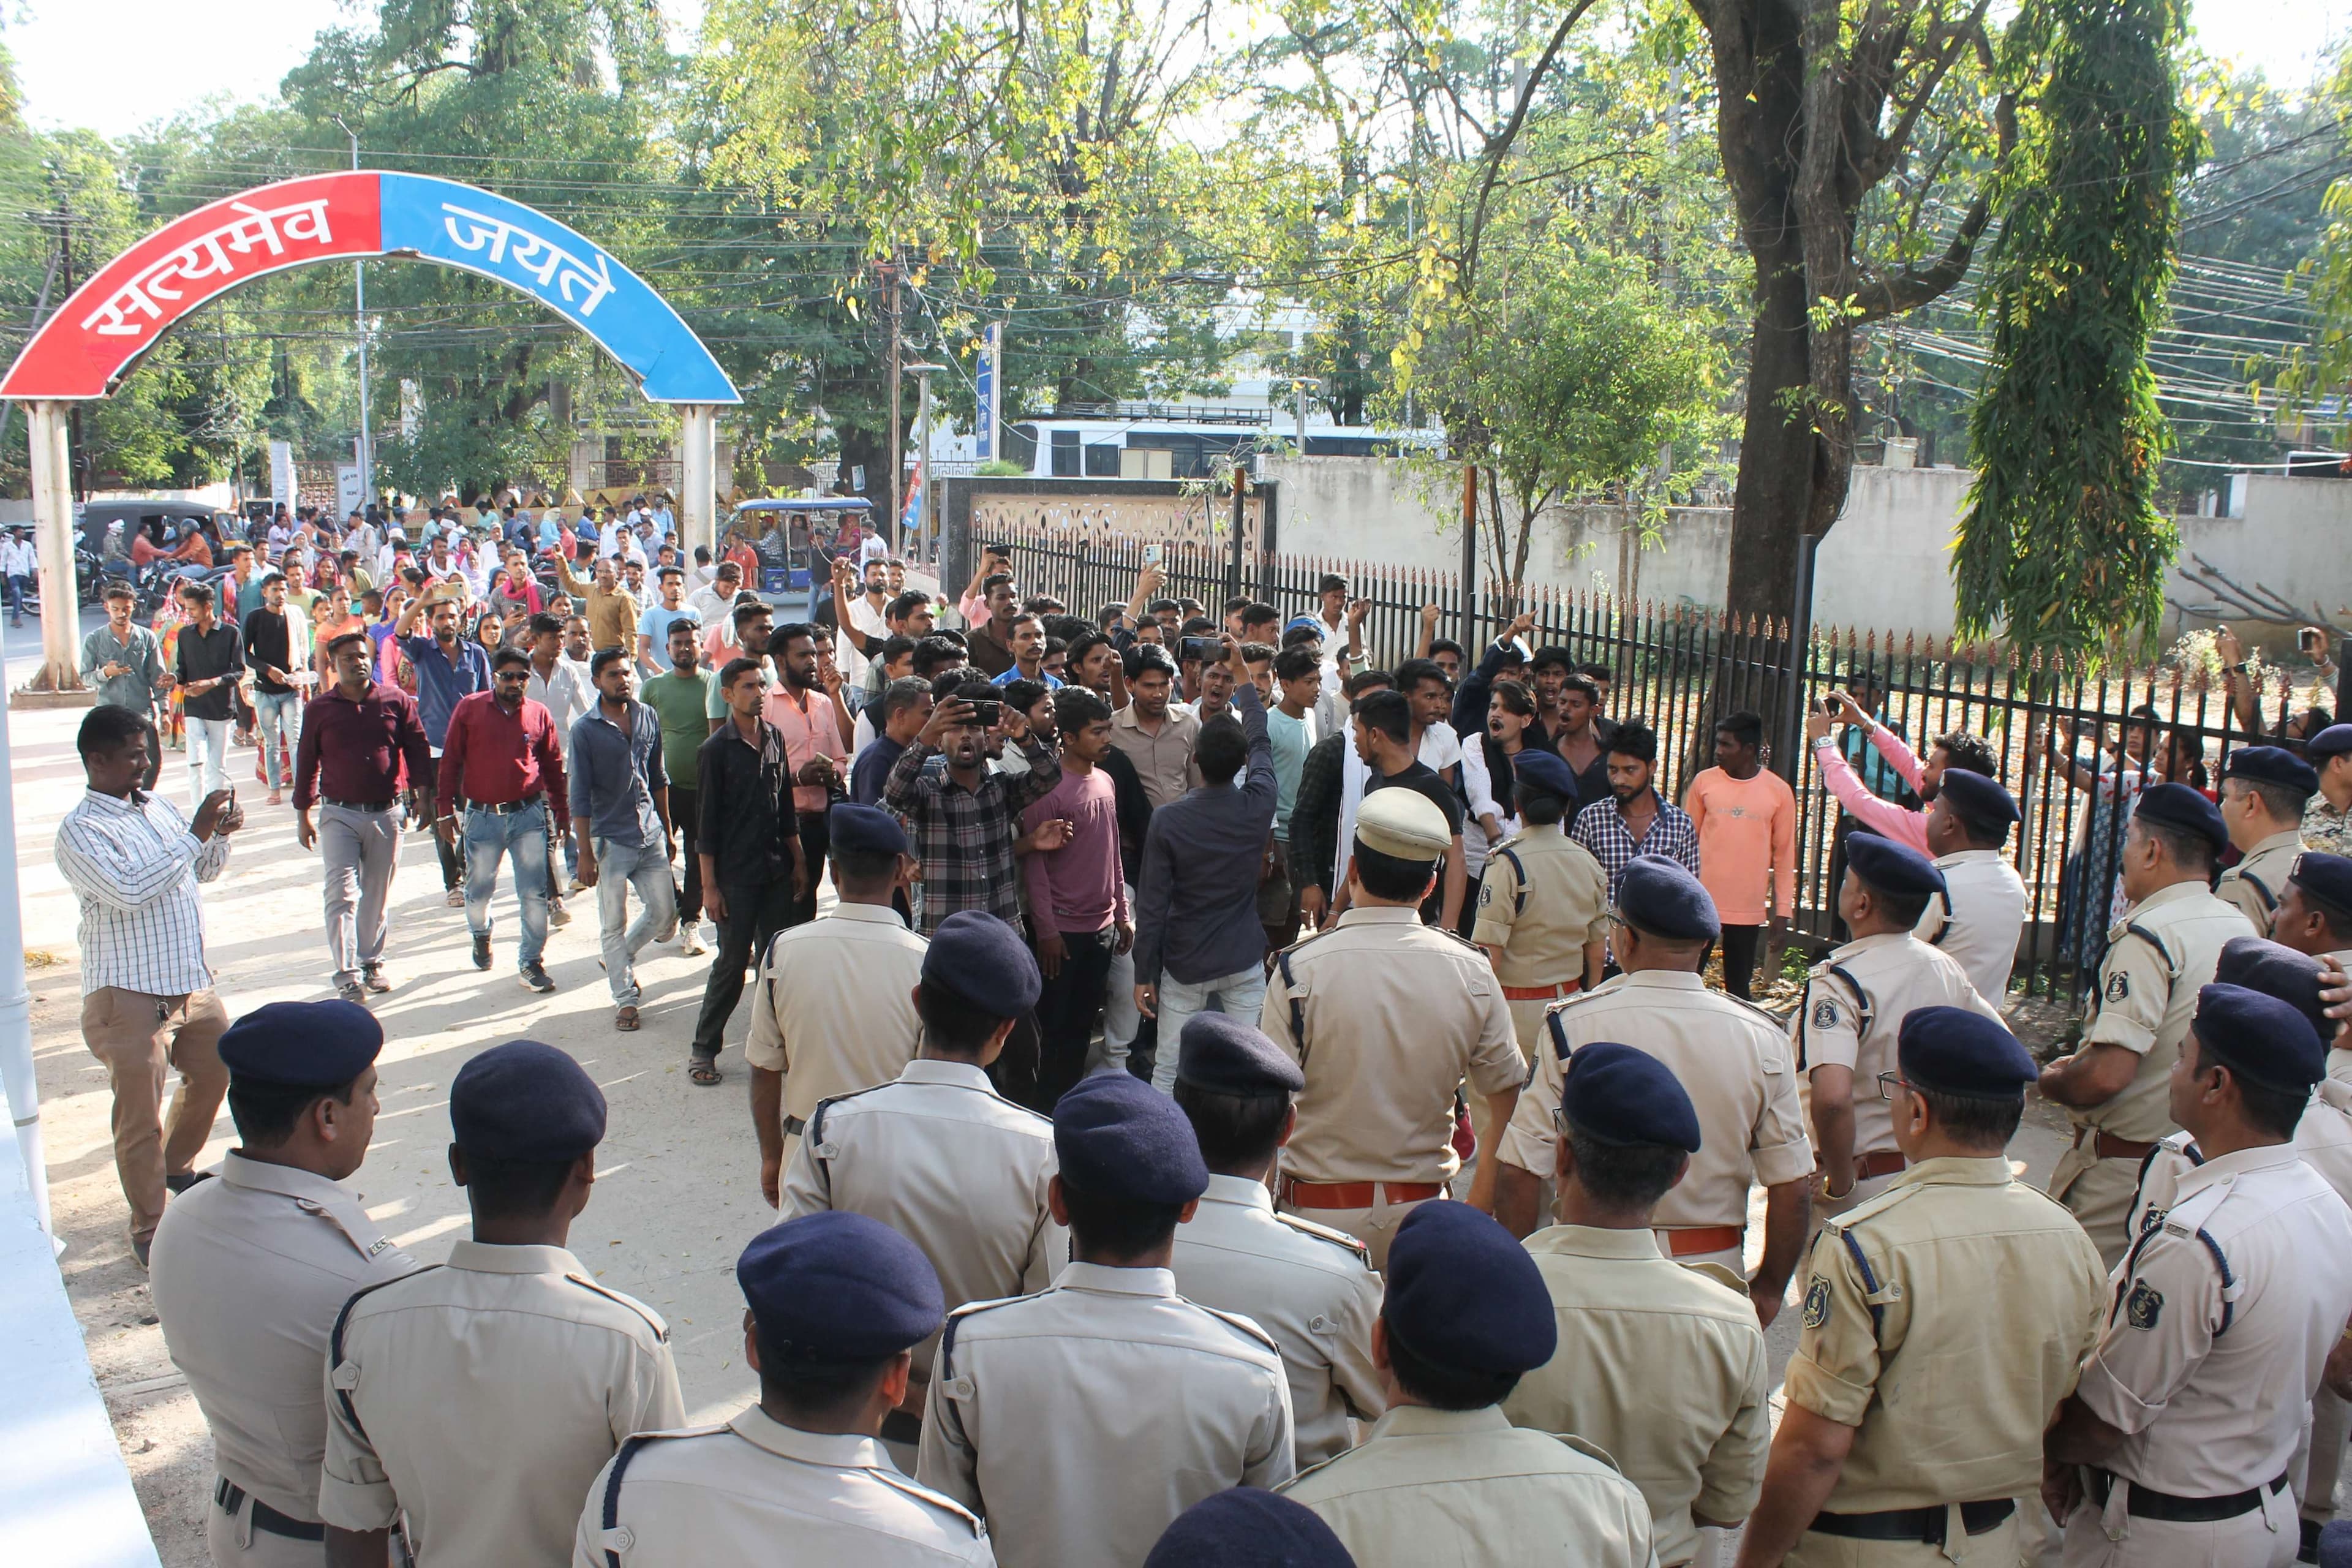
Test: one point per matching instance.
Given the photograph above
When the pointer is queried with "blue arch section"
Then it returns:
(466, 226)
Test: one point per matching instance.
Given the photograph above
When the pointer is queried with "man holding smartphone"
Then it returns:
(964, 819)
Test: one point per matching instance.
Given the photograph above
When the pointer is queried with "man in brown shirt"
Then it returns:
(1156, 734)
(991, 641)
(611, 612)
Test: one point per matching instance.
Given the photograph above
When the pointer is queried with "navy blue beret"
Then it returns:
(835, 1286)
(1977, 797)
(1224, 1055)
(1660, 896)
(1545, 771)
(2336, 1536)
(302, 1044)
(1464, 1295)
(2271, 766)
(1888, 866)
(2276, 970)
(984, 961)
(865, 830)
(524, 1100)
(1117, 1137)
(2325, 878)
(2332, 742)
(2177, 807)
(1621, 1095)
(1954, 1050)
(2267, 1042)
(1247, 1528)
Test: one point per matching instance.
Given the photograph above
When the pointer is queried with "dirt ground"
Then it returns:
(677, 1194)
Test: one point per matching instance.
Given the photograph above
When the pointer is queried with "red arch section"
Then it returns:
(96, 336)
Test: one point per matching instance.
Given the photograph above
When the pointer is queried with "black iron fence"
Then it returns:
(1682, 666)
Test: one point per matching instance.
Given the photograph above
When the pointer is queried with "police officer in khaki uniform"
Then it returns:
(2264, 792)
(938, 1154)
(1847, 1026)
(2114, 1084)
(1081, 1421)
(249, 1270)
(1662, 1366)
(1982, 909)
(836, 1303)
(2176, 1448)
(2315, 917)
(1731, 1058)
(474, 1402)
(1386, 1016)
(1543, 904)
(1247, 1527)
(1445, 1477)
(1309, 1286)
(1945, 1320)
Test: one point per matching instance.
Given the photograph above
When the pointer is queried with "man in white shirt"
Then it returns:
(17, 567)
(1978, 920)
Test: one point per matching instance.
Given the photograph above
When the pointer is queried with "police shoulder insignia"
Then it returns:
(1825, 1013)
(1485, 894)
(1817, 1302)
(2118, 987)
(2143, 1305)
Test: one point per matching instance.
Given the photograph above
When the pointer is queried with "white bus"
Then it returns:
(1149, 441)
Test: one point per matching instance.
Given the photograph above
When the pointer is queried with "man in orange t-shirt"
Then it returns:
(1746, 818)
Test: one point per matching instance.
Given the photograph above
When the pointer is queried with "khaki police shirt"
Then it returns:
(1308, 1286)
(1542, 899)
(1979, 919)
(1385, 1015)
(941, 1158)
(1855, 1004)
(1081, 1422)
(834, 1007)
(1731, 1058)
(754, 1489)
(1466, 1486)
(247, 1274)
(2157, 960)
(2218, 1322)
(1945, 1317)
(1659, 1366)
(481, 1398)
(2252, 885)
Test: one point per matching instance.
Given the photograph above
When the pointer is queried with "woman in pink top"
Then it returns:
(1746, 819)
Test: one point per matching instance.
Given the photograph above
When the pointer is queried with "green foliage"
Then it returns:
(2063, 541)
(2317, 377)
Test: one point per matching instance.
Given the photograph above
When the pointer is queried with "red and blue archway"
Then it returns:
(100, 334)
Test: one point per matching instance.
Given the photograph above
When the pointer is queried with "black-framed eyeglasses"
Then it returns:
(1888, 1082)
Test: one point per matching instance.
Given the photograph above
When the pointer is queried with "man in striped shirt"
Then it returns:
(148, 1004)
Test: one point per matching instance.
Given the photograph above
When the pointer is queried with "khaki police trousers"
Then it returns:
(2320, 1461)
(2098, 1193)
(1375, 1227)
(1995, 1548)
(2266, 1537)
(235, 1544)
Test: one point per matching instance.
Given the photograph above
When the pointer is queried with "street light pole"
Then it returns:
(366, 453)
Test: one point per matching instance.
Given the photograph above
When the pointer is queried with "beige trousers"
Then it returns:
(140, 1040)
(2266, 1537)
(1995, 1548)
(2098, 1193)
(1374, 1226)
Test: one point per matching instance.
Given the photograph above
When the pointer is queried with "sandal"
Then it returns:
(625, 1020)
(703, 1071)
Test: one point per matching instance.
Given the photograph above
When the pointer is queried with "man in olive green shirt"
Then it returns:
(679, 695)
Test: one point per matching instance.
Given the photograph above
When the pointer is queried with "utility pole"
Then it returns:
(365, 452)
(927, 529)
(889, 270)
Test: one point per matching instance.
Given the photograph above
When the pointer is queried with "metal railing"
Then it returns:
(1682, 666)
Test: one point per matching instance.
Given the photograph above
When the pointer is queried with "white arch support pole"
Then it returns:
(698, 481)
(16, 1001)
(53, 529)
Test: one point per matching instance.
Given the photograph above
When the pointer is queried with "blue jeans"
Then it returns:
(620, 867)
(1238, 996)
(278, 717)
(489, 838)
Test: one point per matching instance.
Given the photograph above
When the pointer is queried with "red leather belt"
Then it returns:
(1541, 992)
(1879, 1162)
(1693, 1239)
(2107, 1146)
(1355, 1195)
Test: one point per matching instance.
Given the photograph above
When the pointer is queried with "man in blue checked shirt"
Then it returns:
(1636, 819)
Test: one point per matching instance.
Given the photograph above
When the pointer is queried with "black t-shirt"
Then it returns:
(205, 657)
(1422, 777)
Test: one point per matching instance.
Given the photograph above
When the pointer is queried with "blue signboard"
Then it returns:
(466, 226)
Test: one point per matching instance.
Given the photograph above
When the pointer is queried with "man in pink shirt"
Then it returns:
(815, 754)
(1958, 750)
(1077, 898)
(1746, 818)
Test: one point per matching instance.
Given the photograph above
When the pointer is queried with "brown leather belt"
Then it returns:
(1878, 1163)
(1542, 993)
(1697, 1238)
(1355, 1195)
(2107, 1146)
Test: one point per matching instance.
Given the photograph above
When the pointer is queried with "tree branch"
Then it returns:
(1882, 158)
(1499, 145)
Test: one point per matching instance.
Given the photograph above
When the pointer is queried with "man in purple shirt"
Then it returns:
(1199, 943)
(1078, 899)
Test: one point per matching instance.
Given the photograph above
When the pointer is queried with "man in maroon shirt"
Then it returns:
(503, 770)
(355, 735)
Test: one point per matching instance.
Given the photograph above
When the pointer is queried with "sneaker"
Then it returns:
(693, 946)
(351, 991)
(373, 977)
(557, 915)
(577, 885)
(457, 899)
(482, 952)
(535, 978)
(139, 1250)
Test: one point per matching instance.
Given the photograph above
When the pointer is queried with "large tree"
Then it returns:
(1846, 128)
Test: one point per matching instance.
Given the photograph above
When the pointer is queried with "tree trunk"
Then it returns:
(1778, 448)
(870, 449)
